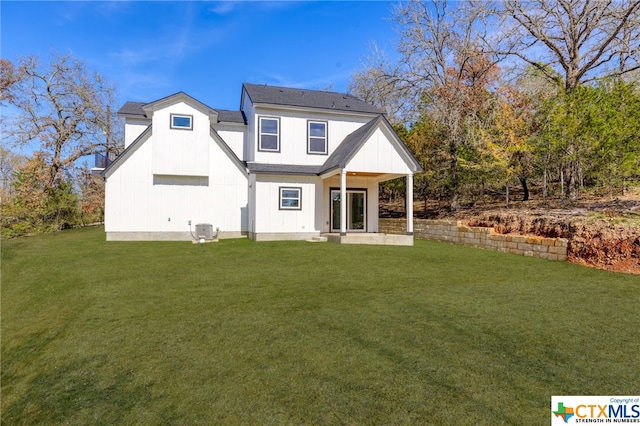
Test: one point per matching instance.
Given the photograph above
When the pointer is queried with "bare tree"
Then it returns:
(445, 62)
(382, 84)
(64, 111)
(582, 40)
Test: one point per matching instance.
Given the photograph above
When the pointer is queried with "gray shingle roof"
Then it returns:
(283, 169)
(133, 108)
(350, 145)
(273, 95)
(224, 116)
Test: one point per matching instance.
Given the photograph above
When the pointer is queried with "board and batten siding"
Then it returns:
(144, 204)
(293, 135)
(379, 155)
(180, 152)
(268, 221)
(133, 128)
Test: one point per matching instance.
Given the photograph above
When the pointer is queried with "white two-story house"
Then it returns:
(290, 164)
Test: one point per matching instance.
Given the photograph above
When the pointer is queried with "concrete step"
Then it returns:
(318, 240)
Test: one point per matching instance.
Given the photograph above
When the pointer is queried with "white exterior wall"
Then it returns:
(178, 151)
(378, 155)
(133, 128)
(269, 222)
(293, 135)
(234, 136)
(250, 135)
(141, 205)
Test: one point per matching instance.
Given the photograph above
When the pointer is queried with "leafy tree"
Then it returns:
(514, 128)
(613, 125)
(91, 197)
(9, 163)
(429, 145)
(8, 78)
(37, 206)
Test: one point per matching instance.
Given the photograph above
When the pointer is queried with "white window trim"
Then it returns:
(190, 117)
(260, 133)
(290, 188)
(326, 137)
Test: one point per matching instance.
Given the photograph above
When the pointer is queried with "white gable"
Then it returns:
(178, 151)
(379, 155)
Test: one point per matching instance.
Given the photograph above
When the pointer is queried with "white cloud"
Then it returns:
(223, 7)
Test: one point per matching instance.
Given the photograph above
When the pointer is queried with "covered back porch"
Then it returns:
(353, 207)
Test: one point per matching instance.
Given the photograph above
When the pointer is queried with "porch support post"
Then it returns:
(410, 204)
(343, 202)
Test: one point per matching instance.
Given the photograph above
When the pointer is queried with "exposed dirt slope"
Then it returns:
(604, 234)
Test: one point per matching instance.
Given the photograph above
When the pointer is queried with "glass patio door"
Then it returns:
(356, 210)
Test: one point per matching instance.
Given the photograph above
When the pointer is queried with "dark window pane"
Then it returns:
(269, 142)
(317, 145)
(268, 125)
(290, 193)
(290, 203)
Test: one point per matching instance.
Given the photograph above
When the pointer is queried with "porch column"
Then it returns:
(343, 202)
(410, 204)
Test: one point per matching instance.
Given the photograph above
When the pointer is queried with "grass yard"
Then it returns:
(239, 332)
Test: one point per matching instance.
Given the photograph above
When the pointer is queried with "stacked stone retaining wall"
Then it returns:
(458, 233)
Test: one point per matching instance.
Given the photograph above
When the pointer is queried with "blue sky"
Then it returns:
(207, 49)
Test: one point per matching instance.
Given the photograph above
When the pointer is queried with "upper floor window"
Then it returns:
(317, 137)
(181, 121)
(269, 131)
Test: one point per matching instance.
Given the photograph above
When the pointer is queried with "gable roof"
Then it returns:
(355, 140)
(342, 154)
(144, 136)
(350, 145)
(286, 96)
(137, 109)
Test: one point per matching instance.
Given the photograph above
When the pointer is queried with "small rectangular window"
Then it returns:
(317, 137)
(183, 122)
(269, 134)
(290, 198)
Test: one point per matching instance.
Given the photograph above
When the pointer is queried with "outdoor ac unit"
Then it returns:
(204, 230)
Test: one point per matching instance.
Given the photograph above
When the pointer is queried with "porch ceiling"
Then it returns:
(365, 174)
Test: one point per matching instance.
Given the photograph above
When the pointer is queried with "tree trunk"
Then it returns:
(525, 187)
(453, 164)
(544, 184)
(573, 184)
(507, 194)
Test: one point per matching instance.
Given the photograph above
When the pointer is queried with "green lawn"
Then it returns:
(239, 332)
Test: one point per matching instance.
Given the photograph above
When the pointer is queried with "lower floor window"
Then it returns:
(290, 198)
